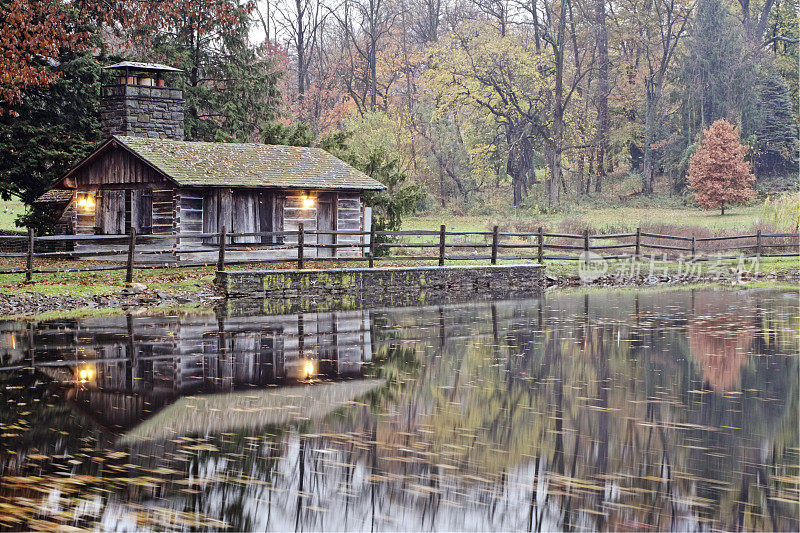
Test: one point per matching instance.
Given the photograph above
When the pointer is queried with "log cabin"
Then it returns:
(145, 176)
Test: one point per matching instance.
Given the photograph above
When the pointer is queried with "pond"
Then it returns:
(621, 410)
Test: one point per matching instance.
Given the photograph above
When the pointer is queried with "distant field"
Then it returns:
(601, 219)
(7, 216)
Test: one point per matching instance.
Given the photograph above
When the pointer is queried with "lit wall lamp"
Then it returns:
(85, 373)
(86, 202)
(309, 201)
(308, 370)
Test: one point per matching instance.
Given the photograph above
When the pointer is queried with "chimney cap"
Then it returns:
(151, 67)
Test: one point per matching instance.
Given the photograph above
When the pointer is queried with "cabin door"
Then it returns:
(110, 212)
(245, 215)
(266, 215)
(326, 221)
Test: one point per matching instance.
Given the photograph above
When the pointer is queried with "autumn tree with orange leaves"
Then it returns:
(718, 171)
(31, 33)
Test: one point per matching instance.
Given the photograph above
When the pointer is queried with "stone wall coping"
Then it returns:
(379, 269)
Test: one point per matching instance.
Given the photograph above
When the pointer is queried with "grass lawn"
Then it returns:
(183, 280)
(8, 212)
(601, 219)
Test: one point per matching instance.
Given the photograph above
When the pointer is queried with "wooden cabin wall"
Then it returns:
(241, 211)
(165, 209)
(64, 225)
(349, 217)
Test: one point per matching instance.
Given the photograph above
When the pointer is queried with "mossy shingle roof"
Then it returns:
(248, 165)
(55, 196)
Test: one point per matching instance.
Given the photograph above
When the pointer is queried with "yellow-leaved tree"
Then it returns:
(480, 71)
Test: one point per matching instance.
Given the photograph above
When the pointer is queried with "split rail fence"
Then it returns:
(301, 247)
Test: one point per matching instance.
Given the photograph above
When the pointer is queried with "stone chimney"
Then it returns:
(139, 103)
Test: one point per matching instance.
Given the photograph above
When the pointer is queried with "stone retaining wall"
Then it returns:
(352, 288)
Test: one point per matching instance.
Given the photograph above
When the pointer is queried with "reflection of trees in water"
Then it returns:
(719, 340)
(569, 414)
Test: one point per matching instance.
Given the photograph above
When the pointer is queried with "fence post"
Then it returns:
(301, 241)
(131, 252)
(541, 245)
(495, 238)
(29, 262)
(694, 247)
(586, 243)
(223, 236)
(371, 246)
(758, 244)
(638, 252)
(442, 235)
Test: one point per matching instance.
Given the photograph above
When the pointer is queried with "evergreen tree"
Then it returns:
(299, 134)
(719, 81)
(51, 129)
(231, 86)
(776, 149)
(716, 80)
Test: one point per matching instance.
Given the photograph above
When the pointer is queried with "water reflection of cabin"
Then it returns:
(143, 175)
(127, 369)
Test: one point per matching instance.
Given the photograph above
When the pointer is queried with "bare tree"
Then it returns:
(300, 21)
(265, 11)
(755, 27)
(662, 24)
(558, 31)
(364, 23)
(500, 10)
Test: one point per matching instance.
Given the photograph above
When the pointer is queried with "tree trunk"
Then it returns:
(557, 130)
(648, 176)
(373, 54)
(601, 36)
(722, 205)
(554, 164)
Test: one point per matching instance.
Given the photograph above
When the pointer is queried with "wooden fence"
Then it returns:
(422, 245)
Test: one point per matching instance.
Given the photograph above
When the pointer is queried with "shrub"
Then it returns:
(782, 214)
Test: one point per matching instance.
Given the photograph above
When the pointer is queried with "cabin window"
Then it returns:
(86, 203)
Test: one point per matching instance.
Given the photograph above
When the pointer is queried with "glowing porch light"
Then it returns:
(86, 202)
(85, 374)
(308, 369)
(309, 202)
